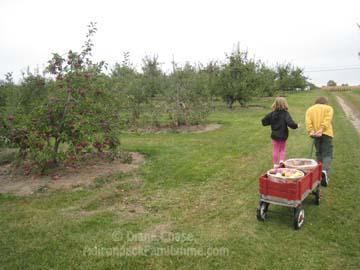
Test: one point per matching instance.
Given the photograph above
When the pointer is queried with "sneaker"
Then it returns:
(281, 164)
(324, 179)
(276, 166)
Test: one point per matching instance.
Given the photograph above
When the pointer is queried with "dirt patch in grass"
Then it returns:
(120, 198)
(351, 113)
(67, 178)
(180, 129)
(7, 156)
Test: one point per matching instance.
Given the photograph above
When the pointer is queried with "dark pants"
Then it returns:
(324, 151)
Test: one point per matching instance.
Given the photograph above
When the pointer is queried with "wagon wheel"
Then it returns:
(317, 195)
(261, 211)
(299, 217)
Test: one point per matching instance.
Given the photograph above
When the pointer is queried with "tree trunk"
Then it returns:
(229, 101)
(56, 149)
(242, 103)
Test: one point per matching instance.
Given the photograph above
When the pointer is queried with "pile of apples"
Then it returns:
(285, 173)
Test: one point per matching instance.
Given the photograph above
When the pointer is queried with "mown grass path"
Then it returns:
(351, 113)
(203, 187)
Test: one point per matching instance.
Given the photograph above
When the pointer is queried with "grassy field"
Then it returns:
(197, 193)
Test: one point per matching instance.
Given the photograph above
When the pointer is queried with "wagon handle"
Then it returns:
(312, 147)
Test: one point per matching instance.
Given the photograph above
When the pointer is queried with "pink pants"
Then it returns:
(278, 151)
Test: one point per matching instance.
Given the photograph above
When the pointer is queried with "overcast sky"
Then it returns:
(315, 35)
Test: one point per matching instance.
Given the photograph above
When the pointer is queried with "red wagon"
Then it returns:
(289, 193)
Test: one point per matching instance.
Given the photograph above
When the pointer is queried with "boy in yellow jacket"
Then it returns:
(318, 121)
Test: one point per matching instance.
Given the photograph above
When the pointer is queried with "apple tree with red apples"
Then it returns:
(78, 116)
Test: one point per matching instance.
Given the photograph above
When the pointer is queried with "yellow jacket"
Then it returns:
(319, 116)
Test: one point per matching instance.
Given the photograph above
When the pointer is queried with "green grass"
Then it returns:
(203, 186)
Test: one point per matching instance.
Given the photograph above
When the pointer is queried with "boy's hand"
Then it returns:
(319, 133)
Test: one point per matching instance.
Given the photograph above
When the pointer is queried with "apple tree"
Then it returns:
(77, 116)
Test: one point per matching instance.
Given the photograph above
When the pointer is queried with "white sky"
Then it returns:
(313, 34)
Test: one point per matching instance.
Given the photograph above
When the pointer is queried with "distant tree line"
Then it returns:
(79, 107)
